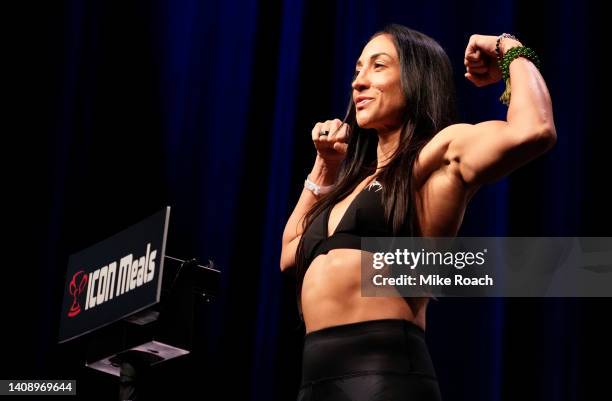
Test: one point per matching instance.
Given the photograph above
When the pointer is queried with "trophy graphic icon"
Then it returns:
(76, 290)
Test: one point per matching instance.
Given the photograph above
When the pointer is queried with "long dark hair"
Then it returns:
(427, 83)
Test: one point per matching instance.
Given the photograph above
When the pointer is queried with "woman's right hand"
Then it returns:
(331, 148)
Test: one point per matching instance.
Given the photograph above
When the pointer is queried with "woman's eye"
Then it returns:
(376, 65)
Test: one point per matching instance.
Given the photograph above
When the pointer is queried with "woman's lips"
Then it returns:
(362, 103)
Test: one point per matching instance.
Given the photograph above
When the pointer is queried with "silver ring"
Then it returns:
(323, 133)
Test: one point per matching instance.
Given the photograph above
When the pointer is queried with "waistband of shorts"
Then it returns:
(373, 346)
(366, 326)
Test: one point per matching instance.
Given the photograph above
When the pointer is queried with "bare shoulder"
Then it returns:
(441, 195)
(435, 155)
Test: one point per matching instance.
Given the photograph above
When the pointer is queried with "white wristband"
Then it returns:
(317, 189)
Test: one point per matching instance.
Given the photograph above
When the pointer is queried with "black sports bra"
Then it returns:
(365, 217)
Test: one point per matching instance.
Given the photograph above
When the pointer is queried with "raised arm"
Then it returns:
(331, 150)
(488, 151)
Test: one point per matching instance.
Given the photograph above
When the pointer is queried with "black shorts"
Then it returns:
(375, 360)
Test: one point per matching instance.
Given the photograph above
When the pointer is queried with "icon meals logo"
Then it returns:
(107, 282)
(77, 285)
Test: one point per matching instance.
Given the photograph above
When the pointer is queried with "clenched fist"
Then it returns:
(481, 60)
(330, 139)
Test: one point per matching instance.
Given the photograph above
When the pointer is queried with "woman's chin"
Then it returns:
(364, 123)
(366, 119)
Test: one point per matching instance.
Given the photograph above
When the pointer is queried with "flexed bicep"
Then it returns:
(488, 151)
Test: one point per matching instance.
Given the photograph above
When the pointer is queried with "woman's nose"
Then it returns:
(361, 81)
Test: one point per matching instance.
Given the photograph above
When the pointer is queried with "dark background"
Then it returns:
(120, 108)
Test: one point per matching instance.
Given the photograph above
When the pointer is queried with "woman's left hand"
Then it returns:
(481, 60)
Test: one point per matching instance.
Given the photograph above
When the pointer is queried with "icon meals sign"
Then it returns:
(114, 278)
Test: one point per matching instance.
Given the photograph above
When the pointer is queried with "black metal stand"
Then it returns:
(165, 332)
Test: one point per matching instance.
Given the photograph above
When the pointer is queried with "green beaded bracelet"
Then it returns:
(513, 53)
